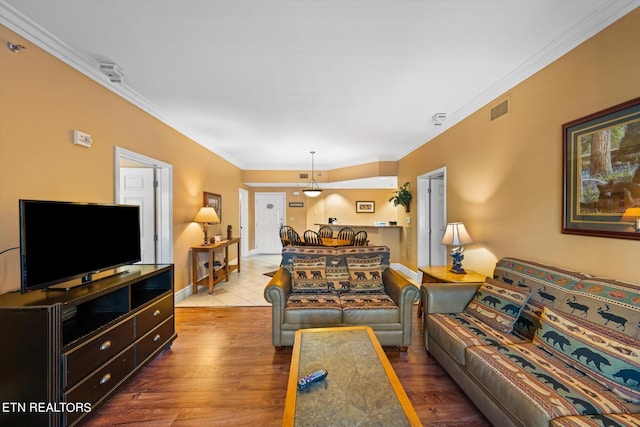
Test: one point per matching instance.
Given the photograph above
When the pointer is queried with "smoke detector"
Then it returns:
(438, 118)
(113, 71)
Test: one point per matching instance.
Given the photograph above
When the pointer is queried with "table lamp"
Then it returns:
(456, 235)
(206, 216)
(632, 215)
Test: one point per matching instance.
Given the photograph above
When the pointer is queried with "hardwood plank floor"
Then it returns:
(223, 371)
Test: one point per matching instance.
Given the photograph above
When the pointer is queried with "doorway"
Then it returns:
(243, 198)
(432, 217)
(269, 213)
(151, 187)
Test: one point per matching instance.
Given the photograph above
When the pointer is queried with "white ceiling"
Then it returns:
(262, 83)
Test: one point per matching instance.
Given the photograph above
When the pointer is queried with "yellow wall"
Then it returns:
(505, 178)
(42, 101)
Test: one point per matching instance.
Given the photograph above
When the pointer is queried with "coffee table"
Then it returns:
(361, 388)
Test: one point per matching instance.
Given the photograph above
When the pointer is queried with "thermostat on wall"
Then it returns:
(81, 138)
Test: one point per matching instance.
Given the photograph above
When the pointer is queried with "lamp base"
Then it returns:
(458, 270)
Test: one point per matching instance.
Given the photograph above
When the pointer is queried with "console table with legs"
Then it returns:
(215, 273)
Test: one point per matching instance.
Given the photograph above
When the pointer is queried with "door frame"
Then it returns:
(163, 201)
(424, 207)
(243, 199)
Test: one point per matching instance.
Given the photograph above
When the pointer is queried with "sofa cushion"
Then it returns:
(313, 309)
(454, 332)
(609, 420)
(610, 303)
(498, 304)
(609, 357)
(538, 385)
(309, 274)
(365, 274)
(548, 284)
(369, 308)
(337, 277)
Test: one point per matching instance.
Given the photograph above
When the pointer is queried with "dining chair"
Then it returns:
(346, 233)
(312, 238)
(325, 232)
(284, 235)
(294, 238)
(360, 239)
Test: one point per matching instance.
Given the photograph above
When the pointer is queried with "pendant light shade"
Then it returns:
(312, 190)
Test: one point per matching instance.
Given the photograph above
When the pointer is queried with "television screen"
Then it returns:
(61, 241)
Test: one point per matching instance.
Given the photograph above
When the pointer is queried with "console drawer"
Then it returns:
(153, 340)
(101, 382)
(80, 361)
(153, 315)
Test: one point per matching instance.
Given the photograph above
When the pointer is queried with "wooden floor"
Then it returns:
(223, 371)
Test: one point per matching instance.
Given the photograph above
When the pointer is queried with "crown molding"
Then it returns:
(598, 20)
(25, 27)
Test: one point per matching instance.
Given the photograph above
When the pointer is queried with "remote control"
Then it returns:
(305, 382)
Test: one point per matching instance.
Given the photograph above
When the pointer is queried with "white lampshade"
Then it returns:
(456, 235)
(207, 215)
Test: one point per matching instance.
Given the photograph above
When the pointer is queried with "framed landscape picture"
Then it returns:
(601, 189)
(366, 207)
(213, 200)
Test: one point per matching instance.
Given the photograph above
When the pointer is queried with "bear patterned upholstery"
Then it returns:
(346, 286)
(572, 357)
(612, 420)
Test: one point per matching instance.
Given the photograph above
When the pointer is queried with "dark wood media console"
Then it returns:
(65, 352)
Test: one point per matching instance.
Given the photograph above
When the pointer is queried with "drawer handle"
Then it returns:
(156, 313)
(105, 379)
(156, 338)
(105, 345)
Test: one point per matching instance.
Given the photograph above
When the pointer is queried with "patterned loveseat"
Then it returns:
(540, 346)
(325, 287)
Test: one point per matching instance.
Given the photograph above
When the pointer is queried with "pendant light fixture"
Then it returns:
(312, 190)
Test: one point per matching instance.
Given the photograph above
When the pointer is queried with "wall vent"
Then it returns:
(304, 176)
(500, 110)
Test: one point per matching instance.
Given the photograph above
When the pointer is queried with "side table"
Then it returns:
(215, 274)
(443, 274)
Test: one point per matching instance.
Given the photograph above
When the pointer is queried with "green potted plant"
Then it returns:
(402, 197)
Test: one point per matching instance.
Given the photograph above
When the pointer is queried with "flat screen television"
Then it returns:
(63, 241)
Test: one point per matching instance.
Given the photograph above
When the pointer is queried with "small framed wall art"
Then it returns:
(365, 207)
(213, 200)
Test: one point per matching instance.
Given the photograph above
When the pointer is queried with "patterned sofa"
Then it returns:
(540, 346)
(327, 287)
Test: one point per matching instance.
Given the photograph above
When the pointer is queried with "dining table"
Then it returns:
(335, 242)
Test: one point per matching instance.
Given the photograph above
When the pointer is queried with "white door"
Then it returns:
(438, 221)
(137, 188)
(269, 218)
(432, 217)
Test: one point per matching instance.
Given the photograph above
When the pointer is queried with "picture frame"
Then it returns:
(601, 171)
(365, 206)
(296, 204)
(214, 200)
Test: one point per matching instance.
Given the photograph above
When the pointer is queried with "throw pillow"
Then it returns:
(498, 304)
(309, 274)
(609, 357)
(365, 274)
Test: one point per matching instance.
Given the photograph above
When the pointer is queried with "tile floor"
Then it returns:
(243, 289)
